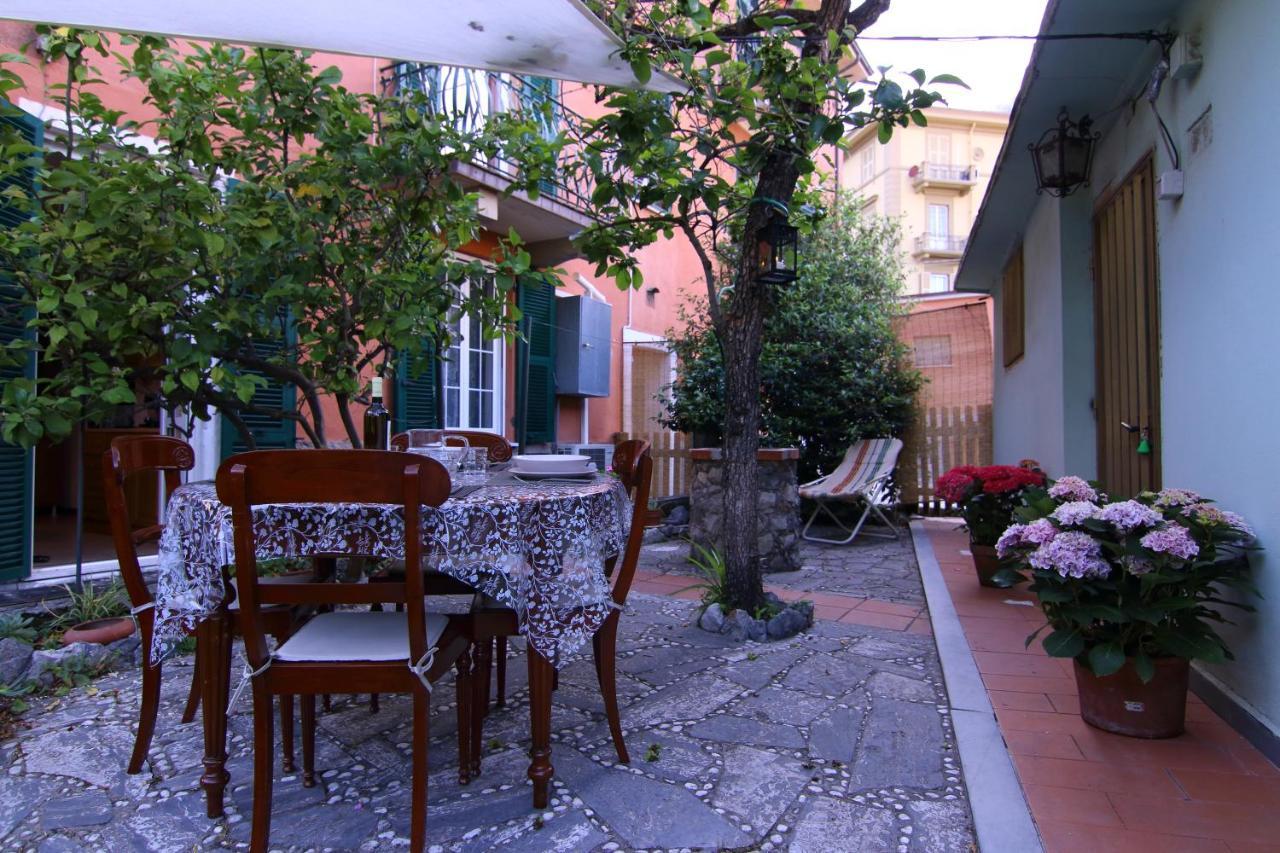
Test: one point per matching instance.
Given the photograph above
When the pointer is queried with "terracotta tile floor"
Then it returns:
(1207, 790)
(826, 605)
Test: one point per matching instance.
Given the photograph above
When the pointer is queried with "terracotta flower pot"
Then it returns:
(986, 562)
(100, 631)
(1122, 704)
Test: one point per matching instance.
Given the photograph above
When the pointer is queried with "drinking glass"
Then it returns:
(475, 466)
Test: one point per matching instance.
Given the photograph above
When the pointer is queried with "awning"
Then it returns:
(549, 38)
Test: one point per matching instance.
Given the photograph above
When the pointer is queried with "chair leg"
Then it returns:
(308, 740)
(464, 695)
(822, 507)
(263, 766)
(501, 655)
(193, 694)
(605, 646)
(146, 715)
(286, 732)
(482, 659)
(480, 665)
(418, 789)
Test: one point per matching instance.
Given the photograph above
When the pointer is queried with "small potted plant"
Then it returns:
(96, 615)
(1130, 590)
(987, 496)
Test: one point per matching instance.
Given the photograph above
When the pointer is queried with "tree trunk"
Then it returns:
(742, 341)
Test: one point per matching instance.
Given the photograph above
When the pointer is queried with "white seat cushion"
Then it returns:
(357, 636)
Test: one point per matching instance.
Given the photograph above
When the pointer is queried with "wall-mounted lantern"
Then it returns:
(777, 251)
(1064, 155)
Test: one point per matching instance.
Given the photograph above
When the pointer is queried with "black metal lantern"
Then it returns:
(1064, 155)
(777, 251)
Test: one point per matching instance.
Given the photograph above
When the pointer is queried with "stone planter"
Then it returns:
(986, 563)
(778, 505)
(1122, 704)
(100, 631)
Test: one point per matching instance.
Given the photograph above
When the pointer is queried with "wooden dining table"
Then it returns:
(537, 547)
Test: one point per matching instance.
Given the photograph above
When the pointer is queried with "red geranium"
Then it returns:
(957, 484)
(1000, 479)
(987, 496)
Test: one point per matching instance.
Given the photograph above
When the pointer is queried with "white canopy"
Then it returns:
(549, 38)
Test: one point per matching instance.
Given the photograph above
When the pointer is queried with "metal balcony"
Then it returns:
(467, 97)
(939, 246)
(928, 175)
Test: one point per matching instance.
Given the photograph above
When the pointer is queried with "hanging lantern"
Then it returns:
(1063, 156)
(777, 251)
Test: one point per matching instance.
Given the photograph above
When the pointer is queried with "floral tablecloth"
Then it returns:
(538, 548)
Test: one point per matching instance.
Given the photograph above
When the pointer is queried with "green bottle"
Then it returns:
(377, 420)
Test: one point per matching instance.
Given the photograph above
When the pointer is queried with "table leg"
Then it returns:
(214, 638)
(540, 769)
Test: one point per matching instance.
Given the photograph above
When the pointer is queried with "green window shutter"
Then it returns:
(17, 466)
(536, 364)
(415, 403)
(268, 433)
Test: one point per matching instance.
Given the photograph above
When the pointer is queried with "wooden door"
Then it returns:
(1127, 336)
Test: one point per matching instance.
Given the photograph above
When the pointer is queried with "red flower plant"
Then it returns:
(987, 496)
(1000, 479)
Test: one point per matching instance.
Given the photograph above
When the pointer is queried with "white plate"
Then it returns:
(552, 463)
(552, 475)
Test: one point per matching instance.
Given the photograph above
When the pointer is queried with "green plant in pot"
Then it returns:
(1131, 590)
(987, 496)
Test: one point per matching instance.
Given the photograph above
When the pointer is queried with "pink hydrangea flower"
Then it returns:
(1071, 555)
(1075, 512)
(1071, 488)
(1177, 497)
(1130, 515)
(1037, 532)
(1207, 513)
(1172, 539)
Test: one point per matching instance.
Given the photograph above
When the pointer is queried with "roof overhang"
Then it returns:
(1087, 76)
(548, 38)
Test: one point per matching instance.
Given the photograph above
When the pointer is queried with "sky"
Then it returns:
(993, 69)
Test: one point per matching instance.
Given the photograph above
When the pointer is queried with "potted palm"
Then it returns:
(987, 496)
(1130, 590)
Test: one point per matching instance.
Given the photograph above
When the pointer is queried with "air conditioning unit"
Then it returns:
(601, 454)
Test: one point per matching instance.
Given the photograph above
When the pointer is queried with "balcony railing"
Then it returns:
(940, 244)
(945, 174)
(469, 96)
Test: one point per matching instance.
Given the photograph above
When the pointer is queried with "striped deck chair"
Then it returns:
(862, 476)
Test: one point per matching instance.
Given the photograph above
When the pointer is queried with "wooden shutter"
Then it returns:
(536, 364)
(17, 466)
(416, 397)
(1013, 309)
(268, 433)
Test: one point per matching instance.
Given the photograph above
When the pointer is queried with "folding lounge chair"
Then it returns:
(863, 475)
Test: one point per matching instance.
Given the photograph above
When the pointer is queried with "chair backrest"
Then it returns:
(633, 463)
(130, 455)
(499, 448)
(260, 477)
(864, 463)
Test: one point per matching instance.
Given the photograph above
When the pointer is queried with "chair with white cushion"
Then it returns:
(863, 476)
(343, 651)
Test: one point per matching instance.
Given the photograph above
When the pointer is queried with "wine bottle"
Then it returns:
(377, 420)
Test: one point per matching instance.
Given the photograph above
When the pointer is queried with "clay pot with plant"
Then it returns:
(96, 615)
(987, 496)
(1132, 591)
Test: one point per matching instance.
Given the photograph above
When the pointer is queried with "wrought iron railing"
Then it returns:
(940, 243)
(468, 96)
(945, 172)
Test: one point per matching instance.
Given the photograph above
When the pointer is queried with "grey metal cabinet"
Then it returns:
(584, 348)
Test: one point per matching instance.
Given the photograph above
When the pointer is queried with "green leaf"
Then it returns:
(950, 79)
(641, 67)
(1144, 666)
(1106, 659)
(1063, 644)
(885, 132)
(918, 75)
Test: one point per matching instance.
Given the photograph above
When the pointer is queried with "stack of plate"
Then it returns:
(552, 465)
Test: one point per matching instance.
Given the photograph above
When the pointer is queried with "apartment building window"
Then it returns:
(939, 282)
(939, 226)
(932, 351)
(1013, 309)
(938, 148)
(473, 376)
(868, 163)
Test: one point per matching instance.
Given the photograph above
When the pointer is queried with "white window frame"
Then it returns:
(868, 163)
(459, 416)
(938, 148)
(932, 280)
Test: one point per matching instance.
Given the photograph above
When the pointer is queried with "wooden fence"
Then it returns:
(939, 439)
(672, 468)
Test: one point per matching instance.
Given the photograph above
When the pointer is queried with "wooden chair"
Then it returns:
(343, 651)
(499, 448)
(493, 623)
(131, 456)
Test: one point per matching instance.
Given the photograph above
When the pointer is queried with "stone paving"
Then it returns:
(838, 739)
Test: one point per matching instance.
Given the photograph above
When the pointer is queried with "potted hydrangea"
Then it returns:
(1131, 591)
(987, 496)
